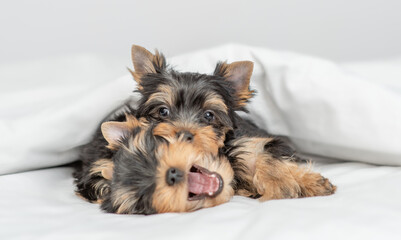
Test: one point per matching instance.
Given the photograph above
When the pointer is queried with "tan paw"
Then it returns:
(278, 189)
(314, 184)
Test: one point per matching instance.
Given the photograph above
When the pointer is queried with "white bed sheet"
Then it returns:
(41, 205)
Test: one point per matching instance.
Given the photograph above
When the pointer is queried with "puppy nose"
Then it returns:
(174, 176)
(185, 136)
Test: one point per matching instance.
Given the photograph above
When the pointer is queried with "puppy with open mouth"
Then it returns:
(155, 168)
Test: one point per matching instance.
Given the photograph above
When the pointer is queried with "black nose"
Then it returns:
(174, 176)
(185, 136)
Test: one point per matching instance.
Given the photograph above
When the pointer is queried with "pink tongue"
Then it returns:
(201, 183)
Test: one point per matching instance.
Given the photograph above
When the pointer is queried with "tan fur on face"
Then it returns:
(172, 198)
(214, 101)
(183, 155)
(205, 139)
(163, 94)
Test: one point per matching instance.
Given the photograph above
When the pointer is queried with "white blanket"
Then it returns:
(41, 205)
(49, 108)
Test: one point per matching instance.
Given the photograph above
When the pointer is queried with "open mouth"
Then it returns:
(203, 183)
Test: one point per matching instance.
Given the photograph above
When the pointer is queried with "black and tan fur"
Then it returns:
(180, 114)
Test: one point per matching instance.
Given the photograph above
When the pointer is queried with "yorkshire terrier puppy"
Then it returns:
(190, 118)
(133, 166)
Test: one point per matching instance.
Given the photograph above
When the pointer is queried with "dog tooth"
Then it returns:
(210, 193)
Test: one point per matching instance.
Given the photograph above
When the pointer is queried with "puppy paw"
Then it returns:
(314, 184)
(279, 191)
(271, 188)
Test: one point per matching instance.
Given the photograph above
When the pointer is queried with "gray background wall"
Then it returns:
(341, 30)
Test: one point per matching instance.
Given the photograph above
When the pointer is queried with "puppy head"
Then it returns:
(156, 173)
(188, 180)
(191, 100)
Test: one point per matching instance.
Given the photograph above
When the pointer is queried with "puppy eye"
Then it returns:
(209, 116)
(164, 112)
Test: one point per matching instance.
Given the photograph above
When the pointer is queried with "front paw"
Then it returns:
(271, 188)
(314, 184)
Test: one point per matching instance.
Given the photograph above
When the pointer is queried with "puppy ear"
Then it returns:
(114, 132)
(145, 62)
(238, 74)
